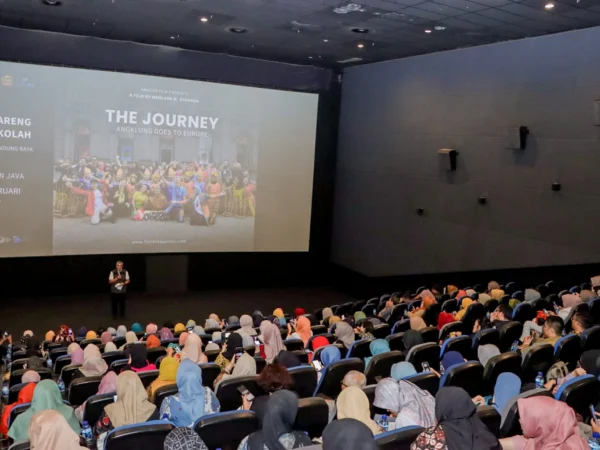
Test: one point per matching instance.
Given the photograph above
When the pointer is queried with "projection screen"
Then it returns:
(95, 162)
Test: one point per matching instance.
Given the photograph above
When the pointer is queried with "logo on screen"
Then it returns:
(6, 81)
(25, 83)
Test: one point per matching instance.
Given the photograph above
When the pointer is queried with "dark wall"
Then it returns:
(89, 273)
(397, 114)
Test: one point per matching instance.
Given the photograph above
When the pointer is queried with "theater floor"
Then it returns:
(92, 311)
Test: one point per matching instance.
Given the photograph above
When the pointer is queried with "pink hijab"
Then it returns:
(193, 349)
(151, 328)
(271, 337)
(77, 356)
(182, 338)
(30, 376)
(571, 300)
(106, 337)
(108, 383)
(549, 424)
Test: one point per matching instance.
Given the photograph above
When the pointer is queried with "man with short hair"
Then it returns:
(118, 280)
(501, 316)
(354, 378)
(551, 332)
(580, 322)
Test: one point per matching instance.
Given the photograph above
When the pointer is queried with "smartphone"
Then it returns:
(227, 335)
(115, 398)
(317, 365)
(6, 334)
(425, 366)
(70, 332)
(343, 317)
(488, 399)
(257, 342)
(245, 392)
(556, 308)
(177, 349)
(190, 329)
(238, 355)
(546, 312)
(593, 412)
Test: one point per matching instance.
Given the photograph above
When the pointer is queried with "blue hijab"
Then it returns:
(191, 395)
(402, 370)
(508, 385)
(451, 359)
(329, 355)
(377, 347)
(137, 328)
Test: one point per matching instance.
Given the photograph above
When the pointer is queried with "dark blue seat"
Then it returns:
(430, 334)
(305, 380)
(226, 430)
(523, 312)
(381, 331)
(510, 287)
(538, 358)
(83, 388)
(579, 393)
(401, 326)
(83, 344)
(568, 350)
(163, 392)
(380, 366)
(360, 349)
(460, 344)
(56, 352)
(540, 304)
(59, 363)
(414, 304)
(13, 393)
(429, 352)
(21, 445)
(451, 327)
(590, 338)
(467, 375)
(356, 306)
(331, 381)
(505, 362)
(510, 333)
(396, 342)
(399, 439)
(475, 311)
(450, 306)
(210, 372)
(343, 310)
(484, 337)
(312, 416)
(147, 436)
(293, 344)
(228, 395)
(94, 406)
(20, 363)
(398, 313)
(428, 381)
(519, 295)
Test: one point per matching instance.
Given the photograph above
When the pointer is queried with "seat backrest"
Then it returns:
(590, 338)
(430, 316)
(318, 329)
(369, 391)
(117, 365)
(155, 353)
(460, 344)
(305, 380)
(16, 375)
(505, 362)
(228, 395)
(511, 426)
(474, 312)
(428, 381)
(60, 363)
(83, 388)
(83, 344)
(148, 436)
(538, 358)
(19, 409)
(579, 393)
(398, 313)
(56, 352)
(396, 341)
(293, 344)
(226, 430)
(21, 445)
(401, 326)
(163, 392)
(595, 310)
(18, 364)
(111, 357)
(67, 373)
(429, 352)
(490, 416)
(430, 334)
(210, 372)
(211, 355)
(312, 416)
(331, 381)
(360, 349)
(302, 356)
(260, 364)
(399, 439)
(449, 328)
(380, 365)
(467, 375)
(510, 333)
(568, 350)
(484, 337)
(95, 406)
(523, 312)
(381, 331)
(119, 341)
(148, 377)
(450, 306)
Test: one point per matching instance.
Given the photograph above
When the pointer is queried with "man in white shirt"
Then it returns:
(118, 280)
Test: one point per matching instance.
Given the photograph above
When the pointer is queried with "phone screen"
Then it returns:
(245, 392)
(317, 365)
(257, 342)
(227, 335)
(6, 334)
(425, 366)
(593, 412)
(238, 355)
(70, 332)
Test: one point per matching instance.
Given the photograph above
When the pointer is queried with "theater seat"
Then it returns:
(318, 329)
(59, 364)
(381, 365)
(95, 406)
(20, 409)
(83, 344)
(164, 392)
(312, 416)
(19, 364)
(210, 372)
(467, 375)
(117, 366)
(430, 334)
(484, 337)
(460, 344)
(211, 355)
(381, 331)
(511, 425)
(474, 312)
(590, 338)
(595, 310)
(13, 393)
(490, 416)
(148, 377)
(331, 381)
(400, 439)
(83, 388)
(450, 306)
(398, 313)
(228, 395)
(305, 380)
(428, 381)
(67, 373)
(449, 328)
(430, 316)
(396, 342)
(510, 333)
(21, 445)
(505, 362)
(120, 341)
(293, 344)
(260, 364)
(226, 430)
(579, 393)
(302, 356)
(148, 436)
(537, 359)
(370, 393)
(56, 352)
(523, 312)
(155, 353)
(429, 352)
(568, 350)
(360, 349)
(341, 348)
(16, 375)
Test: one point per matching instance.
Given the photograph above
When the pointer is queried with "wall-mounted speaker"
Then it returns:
(556, 187)
(420, 211)
(482, 200)
(452, 154)
(518, 138)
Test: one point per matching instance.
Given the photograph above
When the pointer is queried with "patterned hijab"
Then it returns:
(407, 400)
(183, 438)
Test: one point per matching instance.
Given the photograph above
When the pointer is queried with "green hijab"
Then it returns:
(45, 396)
(359, 315)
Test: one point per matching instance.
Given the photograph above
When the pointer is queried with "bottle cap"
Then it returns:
(85, 424)
(540, 374)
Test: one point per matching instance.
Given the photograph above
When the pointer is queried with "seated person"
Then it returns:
(377, 347)
(353, 403)
(193, 349)
(402, 370)
(192, 401)
(226, 358)
(487, 352)
(551, 332)
(386, 312)
(365, 329)
(93, 365)
(49, 430)
(482, 323)
(354, 378)
(107, 385)
(273, 378)
(167, 375)
(406, 402)
(138, 359)
(329, 355)
(501, 316)
(25, 396)
(580, 322)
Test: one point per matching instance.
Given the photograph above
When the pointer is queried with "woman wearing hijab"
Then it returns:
(152, 341)
(280, 316)
(278, 426)
(121, 331)
(190, 324)
(377, 347)
(299, 312)
(151, 328)
(246, 324)
(487, 352)
(45, 396)
(167, 375)
(288, 359)
(32, 346)
(233, 321)
(245, 366)
(130, 338)
(417, 323)
(444, 318)
(49, 430)
(496, 294)
(110, 347)
(165, 334)
(451, 359)
(138, 359)
(271, 338)
(406, 402)
(49, 337)
(458, 426)
(91, 335)
(93, 365)
(226, 357)
(198, 330)
(327, 314)
(179, 327)
(427, 300)
(329, 355)
(193, 349)
(81, 332)
(182, 438)
(77, 356)
(112, 331)
(257, 319)
(344, 334)
(464, 304)
(348, 434)
(107, 386)
(353, 403)
(508, 385)
(106, 337)
(25, 396)
(30, 376)
(72, 347)
(132, 406)
(137, 328)
(183, 337)
(412, 338)
(402, 370)
(192, 400)
(302, 330)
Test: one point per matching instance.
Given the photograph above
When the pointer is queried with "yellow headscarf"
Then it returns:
(279, 313)
(50, 335)
(91, 335)
(463, 305)
(179, 327)
(334, 319)
(168, 369)
(496, 294)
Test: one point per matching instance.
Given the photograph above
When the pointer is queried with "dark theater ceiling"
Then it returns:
(327, 33)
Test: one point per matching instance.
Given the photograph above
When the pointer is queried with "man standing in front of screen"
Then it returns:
(118, 280)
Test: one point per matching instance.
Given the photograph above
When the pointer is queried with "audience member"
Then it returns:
(497, 294)
(587, 293)
(377, 347)
(354, 378)
(443, 319)
(319, 341)
(487, 352)
(458, 427)
(402, 370)
(108, 384)
(451, 359)
(531, 295)
(35, 363)
(329, 355)
(273, 378)
(49, 337)
(183, 438)
(152, 342)
(106, 337)
(365, 329)
(112, 331)
(93, 365)
(327, 313)
(288, 359)
(428, 300)
(167, 375)
(138, 359)
(137, 328)
(121, 331)
(464, 304)
(193, 348)
(183, 337)
(230, 348)
(180, 328)
(551, 332)
(243, 367)
(271, 338)
(49, 430)
(581, 321)
(192, 401)
(344, 334)
(25, 396)
(77, 357)
(278, 312)
(501, 316)
(302, 331)
(30, 376)
(45, 396)
(348, 434)
(386, 312)
(406, 402)
(130, 338)
(508, 386)
(110, 347)
(91, 334)
(63, 335)
(246, 325)
(353, 403)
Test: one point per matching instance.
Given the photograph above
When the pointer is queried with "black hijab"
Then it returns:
(590, 362)
(457, 415)
(257, 319)
(234, 341)
(139, 356)
(32, 346)
(348, 434)
(288, 359)
(412, 338)
(278, 420)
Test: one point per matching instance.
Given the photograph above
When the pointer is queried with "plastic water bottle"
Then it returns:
(515, 347)
(594, 441)
(86, 433)
(441, 369)
(4, 390)
(384, 423)
(49, 362)
(539, 380)
(61, 385)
